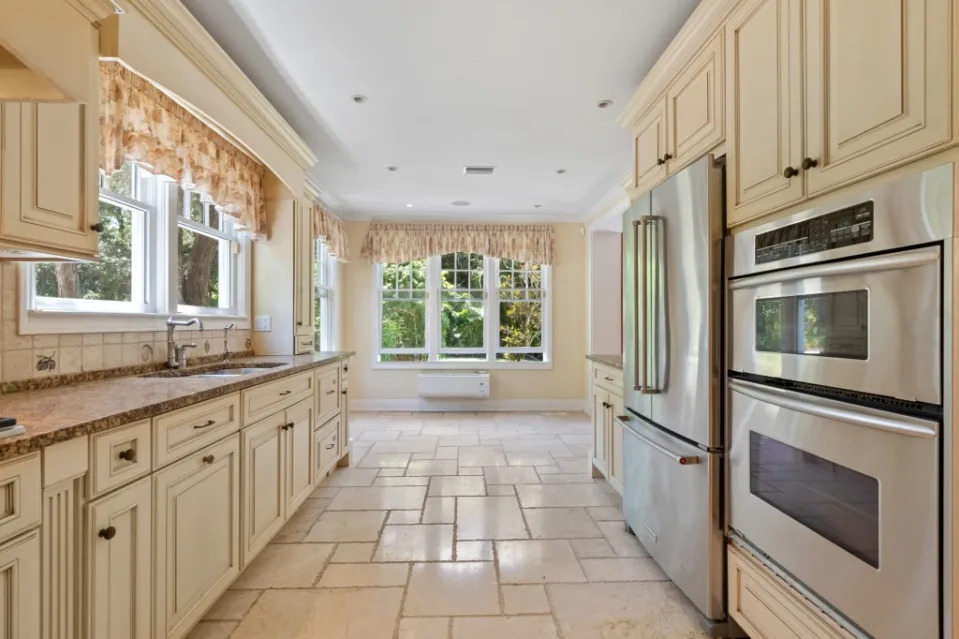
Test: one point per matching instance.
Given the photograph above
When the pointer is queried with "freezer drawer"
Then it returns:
(671, 503)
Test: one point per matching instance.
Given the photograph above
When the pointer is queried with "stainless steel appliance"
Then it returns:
(672, 442)
(836, 397)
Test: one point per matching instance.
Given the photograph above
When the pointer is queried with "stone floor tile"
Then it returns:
(401, 481)
(439, 510)
(379, 498)
(391, 472)
(456, 486)
(384, 460)
(446, 452)
(482, 456)
(415, 543)
(529, 458)
(592, 548)
(424, 628)
(324, 492)
(300, 523)
(522, 600)
(527, 627)
(352, 553)
(623, 569)
(554, 495)
(560, 523)
(339, 613)
(574, 465)
(537, 561)
(624, 543)
(405, 446)
(470, 470)
(212, 630)
(511, 475)
(567, 478)
(501, 490)
(350, 477)
(474, 551)
(285, 566)
(360, 575)
(489, 518)
(450, 589)
(422, 456)
(347, 526)
(233, 605)
(398, 517)
(377, 435)
(431, 467)
(605, 513)
(548, 470)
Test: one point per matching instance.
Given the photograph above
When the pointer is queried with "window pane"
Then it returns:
(111, 279)
(404, 324)
(462, 324)
(121, 181)
(196, 208)
(403, 357)
(214, 217)
(520, 324)
(199, 268)
(519, 357)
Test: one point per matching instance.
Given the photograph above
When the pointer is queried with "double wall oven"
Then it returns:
(836, 356)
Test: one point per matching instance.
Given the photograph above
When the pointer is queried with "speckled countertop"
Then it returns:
(56, 414)
(616, 361)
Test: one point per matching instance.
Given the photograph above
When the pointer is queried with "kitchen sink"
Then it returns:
(212, 370)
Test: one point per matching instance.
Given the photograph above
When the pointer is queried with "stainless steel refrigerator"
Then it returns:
(672, 441)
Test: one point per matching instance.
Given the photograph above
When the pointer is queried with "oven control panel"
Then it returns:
(845, 227)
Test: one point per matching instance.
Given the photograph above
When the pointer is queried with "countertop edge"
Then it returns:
(613, 361)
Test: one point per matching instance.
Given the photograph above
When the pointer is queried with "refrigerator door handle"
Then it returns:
(682, 460)
(661, 360)
(640, 369)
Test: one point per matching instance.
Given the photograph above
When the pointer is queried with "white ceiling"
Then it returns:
(508, 83)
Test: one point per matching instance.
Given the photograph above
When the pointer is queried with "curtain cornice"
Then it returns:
(331, 229)
(401, 242)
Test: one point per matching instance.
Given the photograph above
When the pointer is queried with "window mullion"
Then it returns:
(434, 306)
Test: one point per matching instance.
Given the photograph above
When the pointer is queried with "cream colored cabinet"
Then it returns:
(119, 555)
(263, 495)
(325, 448)
(600, 404)
(298, 458)
(303, 276)
(20, 587)
(327, 393)
(649, 139)
(197, 524)
(48, 180)
(607, 404)
(615, 447)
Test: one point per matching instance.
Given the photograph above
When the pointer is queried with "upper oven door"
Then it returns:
(869, 325)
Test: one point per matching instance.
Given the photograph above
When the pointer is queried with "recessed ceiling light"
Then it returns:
(561, 171)
(537, 206)
(460, 203)
(391, 169)
(604, 104)
(359, 99)
(409, 206)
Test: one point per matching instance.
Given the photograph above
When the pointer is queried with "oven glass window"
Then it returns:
(824, 325)
(838, 503)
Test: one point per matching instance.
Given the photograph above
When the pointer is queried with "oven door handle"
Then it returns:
(889, 262)
(828, 409)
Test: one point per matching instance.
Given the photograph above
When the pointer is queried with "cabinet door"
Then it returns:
(327, 394)
(600, 401)
(650, 148)
(263, 494)
(20, 587)
(764, 108)
(120, 556)
(615, 436)
(878, 84)
(197, 528)
(343, 440)
(55, 174)
(303, 269)
(695, 107)
(298, 457)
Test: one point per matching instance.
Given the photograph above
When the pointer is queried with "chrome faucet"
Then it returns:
(226, 340)
(176, 353)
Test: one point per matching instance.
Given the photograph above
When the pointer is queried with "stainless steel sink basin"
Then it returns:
(217, 370)
(227, 372)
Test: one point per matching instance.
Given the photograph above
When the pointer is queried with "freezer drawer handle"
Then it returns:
(682, 460)
(826, 409)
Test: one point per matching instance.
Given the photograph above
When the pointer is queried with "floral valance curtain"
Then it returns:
(398, 243)
(332, 231)
(139, 122)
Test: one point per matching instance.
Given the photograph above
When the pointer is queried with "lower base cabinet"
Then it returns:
(607, 404)
(197, 506)
(299, 455)
(20, 587)
(326, 447)
(263, 494)
(120, 563)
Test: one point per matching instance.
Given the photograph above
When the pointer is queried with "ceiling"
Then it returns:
(512, 84)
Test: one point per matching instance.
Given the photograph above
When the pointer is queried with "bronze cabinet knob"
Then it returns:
(129, 455)
(108, 533)
(208, 459)
(809, 163)
(98, 227)
(790, 172)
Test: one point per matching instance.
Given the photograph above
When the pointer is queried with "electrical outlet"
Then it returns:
(262, 323)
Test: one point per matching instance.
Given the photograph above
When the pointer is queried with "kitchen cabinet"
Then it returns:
(20, 587)
(649, 139)
(298, 457)
(48, 180)
(119, 554)
(600, 403)
(303, 276)
(326, 447)
(607, 404)
(197, 532)
(327, 394)
(263, 496)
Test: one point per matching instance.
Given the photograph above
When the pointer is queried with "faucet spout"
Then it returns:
(172, 361)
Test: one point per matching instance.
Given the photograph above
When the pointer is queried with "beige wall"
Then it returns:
(566, 380)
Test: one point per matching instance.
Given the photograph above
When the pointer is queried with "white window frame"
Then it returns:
(325, 292)
(158, 269)
(378, 292)
(491, 325)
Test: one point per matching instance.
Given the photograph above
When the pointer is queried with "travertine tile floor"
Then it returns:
(457, 526)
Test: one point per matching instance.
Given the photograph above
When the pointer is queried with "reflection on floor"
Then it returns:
(457, 525)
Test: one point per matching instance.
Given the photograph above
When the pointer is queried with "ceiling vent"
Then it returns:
(478, 170)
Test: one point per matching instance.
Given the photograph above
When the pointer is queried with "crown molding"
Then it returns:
(95, 10)
(311, 189)
(175, 22)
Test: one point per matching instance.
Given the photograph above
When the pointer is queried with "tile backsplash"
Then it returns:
(29, 356)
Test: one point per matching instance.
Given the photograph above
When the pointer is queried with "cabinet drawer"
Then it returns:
(184, 431)
(266, 399)
(20, 487)
(303, 344)
(119, 456)
(766, 607)
(608, 378)
(327, 393)
(325, 442)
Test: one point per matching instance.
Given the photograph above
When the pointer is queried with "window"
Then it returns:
(164, 250)
(324, 277)
(462, 307)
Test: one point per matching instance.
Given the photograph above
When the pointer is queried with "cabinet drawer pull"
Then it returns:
(331, 446)
(208, 459)
(608, 378)
(108, 533)
(129, 455)
(98, 227)
(299, 323)
(330, 392)
(208, 423)
(343, 391)
(790, 172)
(284, 393)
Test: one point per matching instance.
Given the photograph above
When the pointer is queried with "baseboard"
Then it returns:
(418, 404)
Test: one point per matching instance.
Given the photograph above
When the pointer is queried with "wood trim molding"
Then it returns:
(694, 35)
(95, 10)
(176, 23)
(311, 189)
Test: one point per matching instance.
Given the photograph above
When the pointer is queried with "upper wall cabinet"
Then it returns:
(825, 92)
(303, 276)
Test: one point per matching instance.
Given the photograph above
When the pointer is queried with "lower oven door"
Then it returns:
(844, 498)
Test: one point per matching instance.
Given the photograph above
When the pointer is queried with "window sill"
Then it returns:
(460, 366)
(47, 322)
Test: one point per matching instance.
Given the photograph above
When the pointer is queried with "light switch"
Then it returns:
(262, 323)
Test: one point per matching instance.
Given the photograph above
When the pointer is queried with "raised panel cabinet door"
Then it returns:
(262, 493)
(649, 138)
(879, 85)
(120, 563)
(303, 269)
(763, 109)
(58, 205)
(600, 402)
(299, 455)
(615, 435)
(20, 587)
(327, 394)
(343, 440)
(197, 530)
(695, 106)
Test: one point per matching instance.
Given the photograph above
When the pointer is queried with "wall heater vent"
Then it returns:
(461, 384)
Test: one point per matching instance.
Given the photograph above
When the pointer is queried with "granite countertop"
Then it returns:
(56, 414)
(615, 361)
